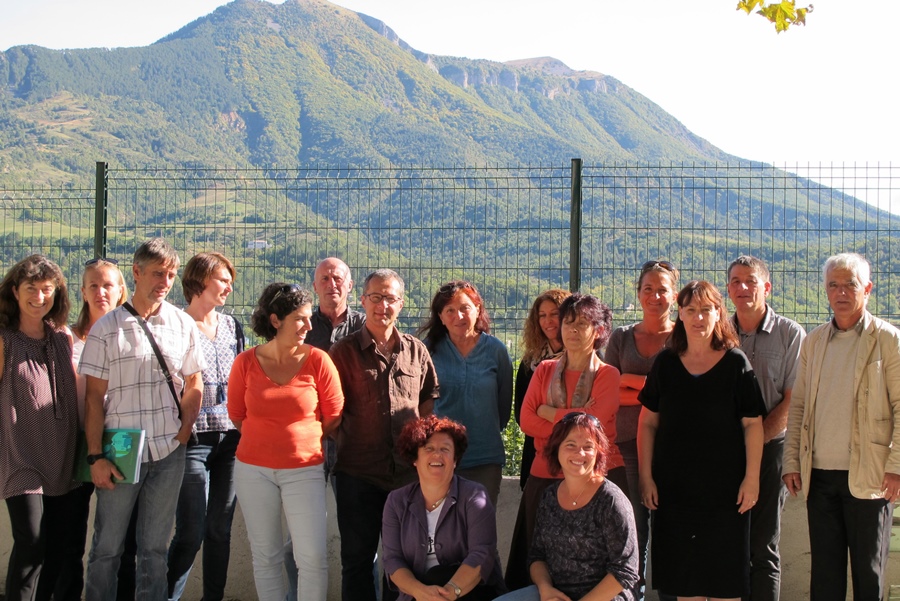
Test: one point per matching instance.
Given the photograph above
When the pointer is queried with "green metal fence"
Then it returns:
(512, 230)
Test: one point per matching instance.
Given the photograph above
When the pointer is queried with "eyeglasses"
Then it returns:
(377, 298)
(568, 418)
(651, 264)
(96, 260)
(285, 290)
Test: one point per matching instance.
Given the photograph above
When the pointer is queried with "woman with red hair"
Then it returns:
(439, 534)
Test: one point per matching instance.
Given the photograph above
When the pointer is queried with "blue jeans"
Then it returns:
(360, 507)
(156, 514)
(300, 493)
(205, 511)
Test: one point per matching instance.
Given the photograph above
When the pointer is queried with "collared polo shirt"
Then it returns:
(381, 394)
(137, 397)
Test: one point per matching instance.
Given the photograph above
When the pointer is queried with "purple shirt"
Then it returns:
(466, 531)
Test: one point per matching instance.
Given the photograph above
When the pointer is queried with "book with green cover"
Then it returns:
(123, 447)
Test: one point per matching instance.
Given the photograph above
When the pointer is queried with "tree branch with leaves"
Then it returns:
(783, 14)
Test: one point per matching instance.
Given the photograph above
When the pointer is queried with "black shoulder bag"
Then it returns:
(159, 355)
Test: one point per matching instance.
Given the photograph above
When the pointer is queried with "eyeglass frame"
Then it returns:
(382, 297)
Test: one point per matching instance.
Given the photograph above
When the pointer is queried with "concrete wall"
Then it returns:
(794, 541)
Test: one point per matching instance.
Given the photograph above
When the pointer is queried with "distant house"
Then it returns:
(257, 244)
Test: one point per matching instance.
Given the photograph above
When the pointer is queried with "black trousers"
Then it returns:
(839, 524)
(37, 523)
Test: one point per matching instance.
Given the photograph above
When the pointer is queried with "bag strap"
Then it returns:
(158, 353)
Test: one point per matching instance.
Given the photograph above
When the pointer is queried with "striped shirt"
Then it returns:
(117, 350)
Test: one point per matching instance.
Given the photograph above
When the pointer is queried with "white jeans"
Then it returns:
(300, 492)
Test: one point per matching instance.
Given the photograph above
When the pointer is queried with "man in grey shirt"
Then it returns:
(772, 343)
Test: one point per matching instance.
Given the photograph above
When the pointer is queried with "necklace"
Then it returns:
(575, 502)
(384, 347)
(436, 503)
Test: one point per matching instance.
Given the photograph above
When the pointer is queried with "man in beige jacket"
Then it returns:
(843, 438)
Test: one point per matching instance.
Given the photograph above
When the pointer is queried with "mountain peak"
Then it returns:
(551, 66)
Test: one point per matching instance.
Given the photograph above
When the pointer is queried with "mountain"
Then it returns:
(306, 82)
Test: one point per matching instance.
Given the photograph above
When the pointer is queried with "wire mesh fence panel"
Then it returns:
(702, 216)
(506, 229)
(56, 222)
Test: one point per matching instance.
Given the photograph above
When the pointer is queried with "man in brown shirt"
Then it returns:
(388, 379)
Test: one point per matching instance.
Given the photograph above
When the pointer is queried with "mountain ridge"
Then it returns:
(310, 82)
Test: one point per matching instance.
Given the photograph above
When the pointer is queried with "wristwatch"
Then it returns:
(92, 459)
(455, 588)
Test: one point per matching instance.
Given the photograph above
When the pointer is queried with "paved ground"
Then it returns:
(795, 552)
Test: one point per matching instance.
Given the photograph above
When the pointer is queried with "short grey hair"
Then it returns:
(384, 275)
(852, 262)
(757, 265)
(156, 250)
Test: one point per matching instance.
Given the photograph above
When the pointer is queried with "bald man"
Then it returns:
(333, 318)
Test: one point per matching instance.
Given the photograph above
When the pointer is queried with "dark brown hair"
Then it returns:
(434, 329)
(35, 268)
(417, 432)
(724, 337)
(533, 338)
(198, 271)
(664, 267)
(561, 429)
(277, 299)
(592, 309)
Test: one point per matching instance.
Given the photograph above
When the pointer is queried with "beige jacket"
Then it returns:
(875, 437)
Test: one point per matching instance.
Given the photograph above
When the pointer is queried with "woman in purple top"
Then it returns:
(439, 534)
(38, 422)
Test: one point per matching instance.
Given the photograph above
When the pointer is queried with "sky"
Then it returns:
(818, 99)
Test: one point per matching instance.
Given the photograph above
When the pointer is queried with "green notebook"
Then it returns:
(123, 447)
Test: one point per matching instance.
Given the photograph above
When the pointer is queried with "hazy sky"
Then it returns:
(823, 93)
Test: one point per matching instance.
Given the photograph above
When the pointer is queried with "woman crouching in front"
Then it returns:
(439, 534)
(585, 542)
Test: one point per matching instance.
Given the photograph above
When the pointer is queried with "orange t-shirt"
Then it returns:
(281, 426)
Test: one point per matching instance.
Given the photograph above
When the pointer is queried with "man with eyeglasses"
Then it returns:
(772, 343)
(843, 437)
(388, 379)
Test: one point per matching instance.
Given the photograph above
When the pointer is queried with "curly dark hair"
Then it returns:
(576, 419)
(724, 336)
(417, 432)
(592, 309)
(34, 268)
(434, 329)
(278, 299)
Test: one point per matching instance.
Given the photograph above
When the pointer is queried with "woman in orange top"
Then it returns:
(284, 396)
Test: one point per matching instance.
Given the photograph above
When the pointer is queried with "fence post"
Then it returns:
(575, 229)
(101, 204)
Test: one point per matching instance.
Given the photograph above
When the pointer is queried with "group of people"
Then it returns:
(668, 443)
